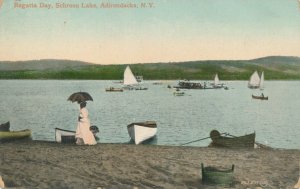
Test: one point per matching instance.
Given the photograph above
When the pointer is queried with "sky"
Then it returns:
(170, 31)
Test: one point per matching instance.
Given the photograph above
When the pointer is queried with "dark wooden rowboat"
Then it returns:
(113, 89)
(217, 176)
(260, 97)
(246, 141)
(141, 88)
(5, 126)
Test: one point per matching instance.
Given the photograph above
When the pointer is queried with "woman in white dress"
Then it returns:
(83, 133)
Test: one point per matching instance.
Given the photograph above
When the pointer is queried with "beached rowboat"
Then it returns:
(217, 176)
(14, 135)
(5, 126)
(67, 136)
(260, 97)
(142, 131)
(246, 141)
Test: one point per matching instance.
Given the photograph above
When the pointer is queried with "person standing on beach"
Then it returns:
(83, 134)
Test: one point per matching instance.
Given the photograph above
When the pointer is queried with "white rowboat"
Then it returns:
(140, 132)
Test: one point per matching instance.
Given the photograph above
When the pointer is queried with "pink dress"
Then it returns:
(83, 128)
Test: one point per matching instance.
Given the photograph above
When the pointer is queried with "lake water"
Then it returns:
(41, 105)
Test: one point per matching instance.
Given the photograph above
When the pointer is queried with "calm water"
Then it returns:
(42, 105)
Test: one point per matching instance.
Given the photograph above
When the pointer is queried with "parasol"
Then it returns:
(80, 97)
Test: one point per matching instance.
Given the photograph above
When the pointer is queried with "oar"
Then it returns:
(198, 140)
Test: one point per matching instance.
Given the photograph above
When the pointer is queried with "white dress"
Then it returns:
(83, 128)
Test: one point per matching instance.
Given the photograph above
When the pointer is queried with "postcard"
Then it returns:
(149, 94)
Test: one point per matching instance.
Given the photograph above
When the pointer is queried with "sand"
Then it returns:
(36, 164)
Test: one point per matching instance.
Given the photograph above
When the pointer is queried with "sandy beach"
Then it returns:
(36, 164)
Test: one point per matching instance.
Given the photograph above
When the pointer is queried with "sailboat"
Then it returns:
(254, 81)
(130, 82)
(262, 80)
(216, 83)
(129, 78)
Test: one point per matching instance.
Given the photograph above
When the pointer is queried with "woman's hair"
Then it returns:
(82, 104)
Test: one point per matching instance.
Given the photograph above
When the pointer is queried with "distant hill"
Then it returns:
(275, 67)
(43, 64)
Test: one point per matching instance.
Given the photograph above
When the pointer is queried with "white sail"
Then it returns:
(262, 79)
(129, 78)
(216, 81)
(254, 80)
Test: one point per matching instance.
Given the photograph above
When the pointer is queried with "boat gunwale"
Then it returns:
(150, 124)
(65, 130)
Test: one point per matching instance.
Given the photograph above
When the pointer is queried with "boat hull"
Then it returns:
(253, 87)
(15, 135)
(5, 126)
(260, 97)
(113, 89)
(178, 93)
(246, 141)
(140, 132)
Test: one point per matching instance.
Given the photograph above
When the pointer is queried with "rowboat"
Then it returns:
(67, 136)
(176, 93)
(14, 135)
(113, 89)
(5, 126)
(140, 132)
(260, 97)
(246, 141)
(141, 88)
(64, 136)
(217, 176)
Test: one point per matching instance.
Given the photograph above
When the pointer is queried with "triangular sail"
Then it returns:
(216, 81)
(254, 80)
(262, 79)
(129, 78)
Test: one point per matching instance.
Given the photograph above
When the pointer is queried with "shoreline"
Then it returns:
(45, 164)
